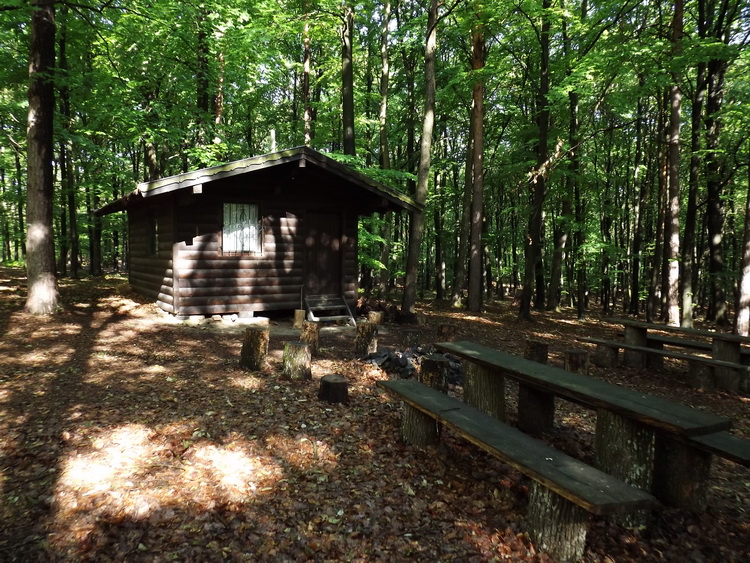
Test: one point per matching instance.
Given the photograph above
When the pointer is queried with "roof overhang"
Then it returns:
(303, 156)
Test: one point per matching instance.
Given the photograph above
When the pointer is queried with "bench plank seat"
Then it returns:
(725, 445)
(665, 353)
(667, 416)
(575, 481)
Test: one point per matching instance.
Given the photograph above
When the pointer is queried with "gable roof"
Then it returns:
(303, 156)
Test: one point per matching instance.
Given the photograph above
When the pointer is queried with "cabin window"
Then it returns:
(241, 233)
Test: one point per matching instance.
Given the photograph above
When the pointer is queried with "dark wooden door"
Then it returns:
(323, 254)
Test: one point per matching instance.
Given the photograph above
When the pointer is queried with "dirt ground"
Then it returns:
(126, 436)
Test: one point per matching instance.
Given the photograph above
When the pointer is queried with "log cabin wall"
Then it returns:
(151, 238)
(208, 282)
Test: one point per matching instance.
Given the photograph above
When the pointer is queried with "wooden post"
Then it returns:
(447, 333)
(418, 428)
(605, 356)
(366, 341)
(254, 347)
(433, 372)
(334, 388)
(296, 360)
(681, 474)
(638, 337)
(375, 317)
(536, 351)
(311, 335)
(555, 524)
(700, 376)
(484, 389)
(577, 361)
(536, 409)
(727, 379)
(299, 317)
(625, 449)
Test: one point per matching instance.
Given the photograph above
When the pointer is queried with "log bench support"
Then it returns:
(563, 489)
(484, 389)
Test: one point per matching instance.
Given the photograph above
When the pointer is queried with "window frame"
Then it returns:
(258, 250)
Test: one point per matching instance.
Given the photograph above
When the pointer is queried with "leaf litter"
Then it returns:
(126, 437)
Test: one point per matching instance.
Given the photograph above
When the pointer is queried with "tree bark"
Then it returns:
(742, 319)
(254, 348)
(477, 194)
(43, 295)
(385, 75)
(296, 360)
(673, 205)
(347, 79)
(538, 176)
(416, 227)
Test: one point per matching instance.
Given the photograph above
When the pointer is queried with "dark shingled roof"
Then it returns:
(304, 156)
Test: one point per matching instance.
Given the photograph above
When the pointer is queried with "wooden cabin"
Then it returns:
(258, 234)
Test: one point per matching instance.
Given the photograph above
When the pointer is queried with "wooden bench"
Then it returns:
(642, 439)
(702, 371)
(563, 488)
(724, 346)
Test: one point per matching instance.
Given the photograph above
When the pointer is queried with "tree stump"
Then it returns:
(681, 474)
(296, 360)
(366, 341)
(334, 388)
(418, 428)
(555, 524)
(254, 347)
(311, 335)
(577, 361)
(605, 356)
(536, 351)
(412, 337)
(536, 410)
(375, 317)
(299, 317)
(433, 372)
(447, 333)
(484, 389)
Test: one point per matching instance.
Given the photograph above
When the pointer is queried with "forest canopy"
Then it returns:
(579, 150)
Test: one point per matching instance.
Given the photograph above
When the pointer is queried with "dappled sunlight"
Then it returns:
(248, 382)
(137, 473)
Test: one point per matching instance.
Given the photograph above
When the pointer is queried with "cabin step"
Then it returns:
(328, 308)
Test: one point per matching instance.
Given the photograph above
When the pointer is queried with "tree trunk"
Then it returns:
(538, 176)
(347, 79)
(306, 59)
(688, 249)
(385, 159)
(43, 296)
(416, 227)
(464, 227)
(672, 224)
(742, 320)
(642, 186)
(477, 194)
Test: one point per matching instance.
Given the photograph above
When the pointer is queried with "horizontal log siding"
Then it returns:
(152, 275)
(210, 283)
(350, 266)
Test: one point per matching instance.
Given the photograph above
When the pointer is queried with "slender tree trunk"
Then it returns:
(641, 185)
(742, 320)
(464, 227)
(385, 75)
(688, 249)
(43, 296)
(656, 290)
(477, 202)
(416, 227)
(672, 224)
(347, 79)
(538, 178)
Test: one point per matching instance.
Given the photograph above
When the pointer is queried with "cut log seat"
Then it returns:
(563, 488)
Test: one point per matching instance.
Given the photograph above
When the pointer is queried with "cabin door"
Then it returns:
(323, 254)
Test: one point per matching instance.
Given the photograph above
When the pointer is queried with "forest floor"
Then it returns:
(126, 436)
